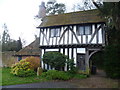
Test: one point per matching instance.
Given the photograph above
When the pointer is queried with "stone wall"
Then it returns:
(8, 59)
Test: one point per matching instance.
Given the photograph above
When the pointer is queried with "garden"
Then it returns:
(29, 71)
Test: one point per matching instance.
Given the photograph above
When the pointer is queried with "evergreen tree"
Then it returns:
(5, 38)
(9, 44)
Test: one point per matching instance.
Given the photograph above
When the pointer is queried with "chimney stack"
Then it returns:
(42, 10)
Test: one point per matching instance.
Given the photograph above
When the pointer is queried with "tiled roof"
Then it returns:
(89, 16)
(31, 49)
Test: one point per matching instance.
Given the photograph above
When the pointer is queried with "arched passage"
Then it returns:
(96, 59)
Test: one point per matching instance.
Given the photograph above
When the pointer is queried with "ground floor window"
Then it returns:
(19, 58)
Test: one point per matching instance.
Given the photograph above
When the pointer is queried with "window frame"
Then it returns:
(55, 30)
(84, 33)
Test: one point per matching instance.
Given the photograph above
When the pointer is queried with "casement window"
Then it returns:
(55, 32)
(84, 30)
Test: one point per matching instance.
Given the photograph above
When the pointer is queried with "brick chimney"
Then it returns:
(42, 10)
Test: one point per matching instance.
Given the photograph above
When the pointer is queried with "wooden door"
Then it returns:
(81, 61)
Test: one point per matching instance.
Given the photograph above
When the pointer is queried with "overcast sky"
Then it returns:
(19, 17)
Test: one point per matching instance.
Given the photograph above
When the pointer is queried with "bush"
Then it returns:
(56, 75)
(73, 69)
(80, 76)
(22, 69)
(112, 61)
(34, 62)
(55, 59)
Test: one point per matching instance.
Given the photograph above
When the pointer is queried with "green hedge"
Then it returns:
(56, 75)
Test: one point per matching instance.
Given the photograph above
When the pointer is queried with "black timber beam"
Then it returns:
(73, 46)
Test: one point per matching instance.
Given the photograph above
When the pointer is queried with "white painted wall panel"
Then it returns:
(93, 30)
(50, 42)
(99, 34)
(80, 50)
(45, 42)
(48, 50)
(61, 50)
(54, 40)
(42, 57)
(60, 36)
(84, 39)
(70, 36)
(48, 34)
(41, 39)
(74, 39)
(79, 38)
(66, 35)
(70, 51)
(89, 37)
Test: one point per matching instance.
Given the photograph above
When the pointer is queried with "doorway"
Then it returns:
(81, 61)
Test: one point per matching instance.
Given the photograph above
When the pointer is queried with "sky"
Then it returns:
(19, 17)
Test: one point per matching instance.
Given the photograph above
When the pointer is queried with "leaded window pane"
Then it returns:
(57, 32)
(81, 30)
(52, 32)
(87, 30)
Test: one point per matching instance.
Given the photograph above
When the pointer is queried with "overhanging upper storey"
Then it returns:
(90, 16)
(76, 28)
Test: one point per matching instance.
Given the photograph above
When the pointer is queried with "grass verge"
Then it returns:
(9, 79)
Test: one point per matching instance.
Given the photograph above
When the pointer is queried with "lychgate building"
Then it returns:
(77, 34)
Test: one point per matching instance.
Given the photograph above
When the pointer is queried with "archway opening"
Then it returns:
(96, 61)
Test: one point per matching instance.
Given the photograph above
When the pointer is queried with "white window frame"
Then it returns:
(84, 32)
(54, 32)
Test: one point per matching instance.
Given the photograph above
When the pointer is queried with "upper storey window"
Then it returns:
(84, 30)
(55, 32)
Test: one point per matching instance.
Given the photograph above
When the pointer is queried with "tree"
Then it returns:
(6, 36)
(111, 12)
(53, 7)
(87, 5)
(9, 44)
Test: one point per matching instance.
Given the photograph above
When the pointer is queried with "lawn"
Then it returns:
(9, 79)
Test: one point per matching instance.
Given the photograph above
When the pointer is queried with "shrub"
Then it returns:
(73, 69)
(34, 62)
(56, 75)
(112, 61)
(22, 69)
(55, 59)
(80, 76)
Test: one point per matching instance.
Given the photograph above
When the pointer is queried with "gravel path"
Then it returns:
(94, 81)
(97, 81)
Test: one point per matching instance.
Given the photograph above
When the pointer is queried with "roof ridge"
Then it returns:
(72, 12)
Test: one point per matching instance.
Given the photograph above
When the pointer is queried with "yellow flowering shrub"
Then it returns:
(22, 69)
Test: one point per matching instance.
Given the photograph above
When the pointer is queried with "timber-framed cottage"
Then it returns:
(77, 34)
